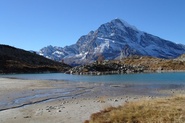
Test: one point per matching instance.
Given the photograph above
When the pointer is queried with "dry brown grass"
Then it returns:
(171, 110)
(156, 63)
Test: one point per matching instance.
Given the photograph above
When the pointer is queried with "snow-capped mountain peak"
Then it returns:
(119, 22)
(109, 40)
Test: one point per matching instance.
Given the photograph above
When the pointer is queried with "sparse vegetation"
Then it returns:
(169, 110)
(15, 60)
(154, 64)
(133, 64)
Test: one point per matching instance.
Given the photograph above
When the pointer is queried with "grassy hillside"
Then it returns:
(13, 60)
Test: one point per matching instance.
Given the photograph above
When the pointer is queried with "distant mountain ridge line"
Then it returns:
(110, 40)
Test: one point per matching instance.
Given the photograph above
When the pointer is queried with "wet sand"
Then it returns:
(39, 101)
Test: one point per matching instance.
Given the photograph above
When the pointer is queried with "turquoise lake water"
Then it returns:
(149, 83)
(150, 78)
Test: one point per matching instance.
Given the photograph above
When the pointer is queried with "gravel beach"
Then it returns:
(46, 101)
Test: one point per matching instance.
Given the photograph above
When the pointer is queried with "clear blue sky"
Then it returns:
(34, 24)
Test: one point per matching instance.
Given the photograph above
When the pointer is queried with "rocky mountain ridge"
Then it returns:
(113, 40)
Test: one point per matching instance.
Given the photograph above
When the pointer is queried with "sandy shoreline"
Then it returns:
(37, 101)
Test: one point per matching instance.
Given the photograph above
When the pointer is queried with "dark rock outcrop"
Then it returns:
(106, 67)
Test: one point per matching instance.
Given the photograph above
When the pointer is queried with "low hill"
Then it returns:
(14, 60)
(156, 64)
(134, 64)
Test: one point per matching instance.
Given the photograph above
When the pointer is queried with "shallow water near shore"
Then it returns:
(142, 78)
(78, 85)
(59, 90)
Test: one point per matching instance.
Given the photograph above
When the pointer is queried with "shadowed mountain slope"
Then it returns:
(14, 60)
